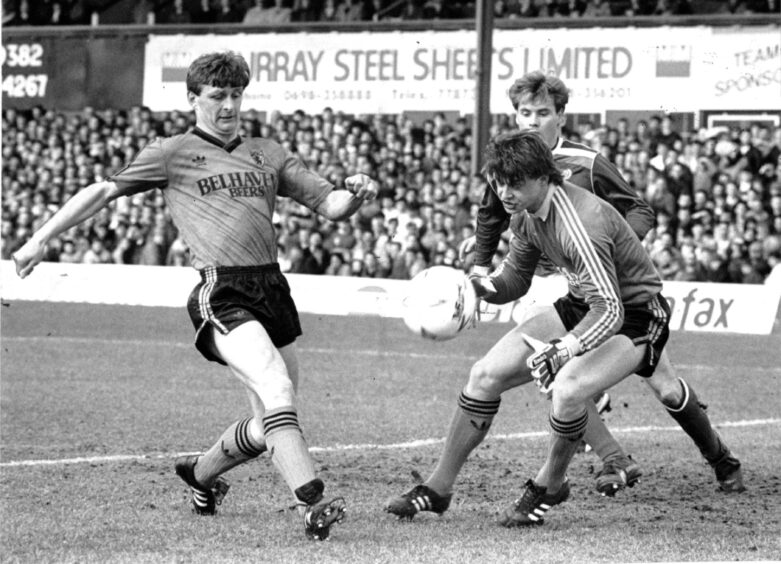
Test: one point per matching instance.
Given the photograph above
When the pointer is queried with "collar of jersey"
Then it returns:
(229, 146)
(544, 209)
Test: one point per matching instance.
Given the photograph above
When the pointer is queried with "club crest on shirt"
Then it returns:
(573, 280)
(258, 157)
(199, 161)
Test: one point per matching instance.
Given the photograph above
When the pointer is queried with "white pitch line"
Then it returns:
(314, 350)
(366, 446)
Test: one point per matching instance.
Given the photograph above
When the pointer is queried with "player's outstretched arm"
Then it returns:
(81, 206)
(341, 204)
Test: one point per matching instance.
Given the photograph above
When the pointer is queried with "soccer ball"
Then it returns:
(440, 303)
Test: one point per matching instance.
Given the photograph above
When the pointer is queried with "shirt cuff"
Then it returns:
(572, 343)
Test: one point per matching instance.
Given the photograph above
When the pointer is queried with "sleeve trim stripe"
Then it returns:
(574, 226)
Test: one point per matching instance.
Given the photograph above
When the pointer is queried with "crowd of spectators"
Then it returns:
(272, 12)
(716, 192)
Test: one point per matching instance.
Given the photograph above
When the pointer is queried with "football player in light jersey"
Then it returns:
(540, 102)
(611, 324)
(221, 190)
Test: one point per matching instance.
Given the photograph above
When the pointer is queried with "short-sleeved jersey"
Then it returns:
(593, 246)
(585, 168)
(222, 196)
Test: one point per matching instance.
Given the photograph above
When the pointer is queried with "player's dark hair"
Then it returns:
(222, 69)
(513, 158)
(537, 85)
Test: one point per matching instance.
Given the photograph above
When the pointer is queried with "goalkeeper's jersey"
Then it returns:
(584, 167)
(222, 196)
(594, 247)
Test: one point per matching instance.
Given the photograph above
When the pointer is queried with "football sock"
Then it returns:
(692, 418)
(599, 437)
(468, 428)
(239, 442)
(564, 440)
(288, 448)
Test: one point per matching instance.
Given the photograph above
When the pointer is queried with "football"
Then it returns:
(440, 303)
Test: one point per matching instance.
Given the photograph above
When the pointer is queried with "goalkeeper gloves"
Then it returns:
(483, 285)
(546, 361)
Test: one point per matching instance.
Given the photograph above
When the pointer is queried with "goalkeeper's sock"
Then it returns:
(564, 441)
(691, 416)
(240, 442)
(599, 438)
(468, 428)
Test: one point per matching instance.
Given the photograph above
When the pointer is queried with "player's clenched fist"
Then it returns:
(362, 186)
(27, 257)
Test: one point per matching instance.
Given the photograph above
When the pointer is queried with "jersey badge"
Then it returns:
(258, 157)
(199, 161)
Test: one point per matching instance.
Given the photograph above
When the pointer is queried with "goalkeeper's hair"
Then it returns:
(538, 86)
(513, 158)
(222, 69)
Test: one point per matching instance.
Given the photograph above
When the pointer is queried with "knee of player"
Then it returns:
(668, 390)
(274, 388)
(568, 392)
(483, 379)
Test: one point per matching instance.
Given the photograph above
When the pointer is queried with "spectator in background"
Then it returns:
(412, 11)
(262, 13)
(202, 12)
(304, 11)
(315, 258)
(229, 11)
(597, 9)
(174, 13)
(349, 11)
(19, 15)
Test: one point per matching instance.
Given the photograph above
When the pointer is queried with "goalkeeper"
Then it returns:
(612, 323)
(539, 101)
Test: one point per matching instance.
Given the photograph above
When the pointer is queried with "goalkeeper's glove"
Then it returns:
(547, 359)
(483, 285)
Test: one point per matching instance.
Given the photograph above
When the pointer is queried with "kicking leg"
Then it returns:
(266, 371)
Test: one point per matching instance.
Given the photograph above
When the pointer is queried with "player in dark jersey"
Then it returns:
(540, 101)
(221, 190)
(613, 322)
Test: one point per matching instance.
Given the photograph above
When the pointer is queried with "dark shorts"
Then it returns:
(644, 324)
(228, 296)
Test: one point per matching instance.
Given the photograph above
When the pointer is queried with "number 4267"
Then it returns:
(25, 85)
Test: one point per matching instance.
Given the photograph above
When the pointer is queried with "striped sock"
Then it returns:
(469, 426)
(288, 448)
(237, 444)
(564, 441)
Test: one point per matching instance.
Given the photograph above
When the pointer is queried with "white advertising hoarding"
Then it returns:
(696, 306)
(669, 69)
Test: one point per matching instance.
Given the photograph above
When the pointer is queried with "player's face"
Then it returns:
(540, 115)
(527, 196)
(217, 110)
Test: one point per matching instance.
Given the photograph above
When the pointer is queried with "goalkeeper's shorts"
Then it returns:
(229, 296)
(647, 323)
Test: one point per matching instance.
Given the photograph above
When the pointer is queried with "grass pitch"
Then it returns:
(96, 401)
